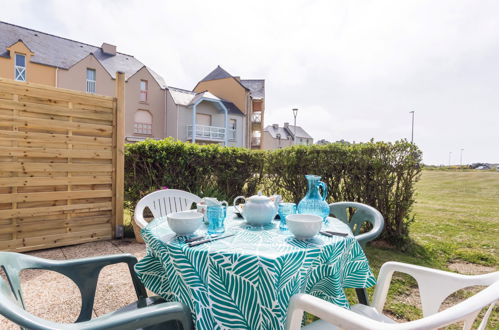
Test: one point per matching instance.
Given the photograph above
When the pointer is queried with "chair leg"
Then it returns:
(362, 295)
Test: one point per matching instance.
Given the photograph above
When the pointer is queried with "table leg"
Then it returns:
(362, 295)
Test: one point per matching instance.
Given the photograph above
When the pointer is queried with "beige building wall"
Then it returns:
(269, 143)
(229, 89)
(172, 117)
(155, 104)
(76, 77)
(35, 73)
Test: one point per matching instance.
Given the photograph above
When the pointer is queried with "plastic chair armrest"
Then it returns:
(140, 318)
(331, 313)
(85, 273)
(434, 285)
(138, 215)
(143, 317)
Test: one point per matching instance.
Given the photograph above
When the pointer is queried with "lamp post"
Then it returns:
(450, 154)
(295, 113)
(412, 130)
(461, 158)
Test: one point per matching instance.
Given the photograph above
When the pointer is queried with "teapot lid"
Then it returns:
(259, 198)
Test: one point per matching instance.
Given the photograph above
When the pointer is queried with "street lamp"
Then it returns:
(295, 113)
(461, 158)
(450, 154)
(412, 130)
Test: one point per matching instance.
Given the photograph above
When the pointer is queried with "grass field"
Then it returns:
(456, 228)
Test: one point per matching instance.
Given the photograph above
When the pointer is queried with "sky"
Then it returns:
(354, 69)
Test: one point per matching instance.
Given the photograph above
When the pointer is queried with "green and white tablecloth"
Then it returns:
(245, 281)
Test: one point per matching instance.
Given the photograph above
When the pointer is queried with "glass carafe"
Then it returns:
(314, 202)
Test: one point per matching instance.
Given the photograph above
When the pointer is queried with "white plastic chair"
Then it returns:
(434, 286)
(162, 202)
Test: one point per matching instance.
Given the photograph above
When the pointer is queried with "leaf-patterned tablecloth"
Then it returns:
(245, 281)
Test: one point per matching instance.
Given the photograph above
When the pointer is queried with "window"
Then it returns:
(91, 80)
(203, 119)
(232, 124)
(142, 122)
(143, 91)
(20, 68)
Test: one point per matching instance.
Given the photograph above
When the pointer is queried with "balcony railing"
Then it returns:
(211, 133)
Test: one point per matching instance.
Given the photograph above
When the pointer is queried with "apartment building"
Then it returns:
(248, 95)
(222, 109)
(42, 58)
(275, 137)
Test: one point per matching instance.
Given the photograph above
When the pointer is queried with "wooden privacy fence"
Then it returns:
(61, 166)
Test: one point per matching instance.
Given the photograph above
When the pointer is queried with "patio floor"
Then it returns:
(54, 297)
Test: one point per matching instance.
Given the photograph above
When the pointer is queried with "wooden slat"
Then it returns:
(54, 138)
(57, 125)
(26, 244)
(43, 91)
(54, 167)
(79, 224)
(48, 196)
(71, 209)
(31, 107)
(54, 153)
(52, 181)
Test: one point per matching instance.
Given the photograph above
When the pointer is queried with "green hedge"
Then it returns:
(376, 173)
(209, 170)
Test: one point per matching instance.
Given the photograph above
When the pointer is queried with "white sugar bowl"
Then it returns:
(304, 226)
(184, 223)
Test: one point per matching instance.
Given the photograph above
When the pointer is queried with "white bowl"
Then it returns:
(185, 222)
(304, 226)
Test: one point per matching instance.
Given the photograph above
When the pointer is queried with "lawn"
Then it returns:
(456, 227)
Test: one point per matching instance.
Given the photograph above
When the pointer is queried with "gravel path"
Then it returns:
(52, 296)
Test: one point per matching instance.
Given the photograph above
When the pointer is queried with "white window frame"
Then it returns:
(91, 84)
(233, 124)
(143, 92)
(141, 127)
(19, 71)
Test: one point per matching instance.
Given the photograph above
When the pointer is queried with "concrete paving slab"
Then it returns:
(54, 297)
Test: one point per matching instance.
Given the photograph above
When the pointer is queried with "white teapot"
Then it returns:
(259, 210)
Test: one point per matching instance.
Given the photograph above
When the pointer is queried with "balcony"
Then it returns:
(211, 133)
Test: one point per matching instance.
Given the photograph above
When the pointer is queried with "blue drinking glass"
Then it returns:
(216, 216)
(284, 210)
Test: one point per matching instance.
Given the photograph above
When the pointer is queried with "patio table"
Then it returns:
(245, 281)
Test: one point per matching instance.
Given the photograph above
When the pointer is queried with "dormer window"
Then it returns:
(91, 75)
(20, 68)
(143, 91)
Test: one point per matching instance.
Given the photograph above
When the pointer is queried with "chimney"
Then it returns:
(108, 49)
(286, 125)
(275, 126)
